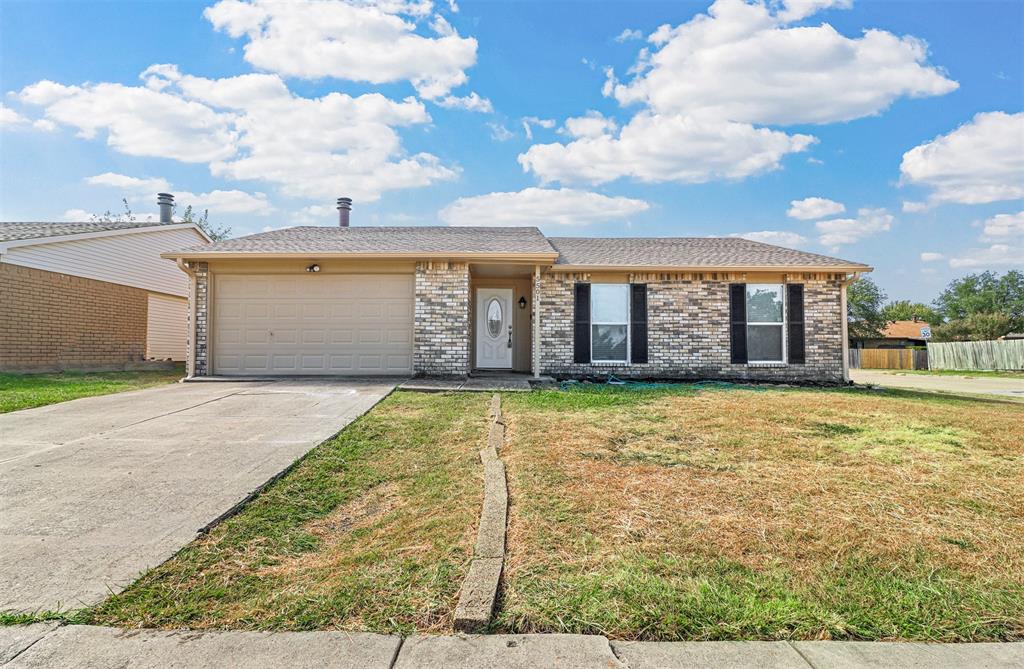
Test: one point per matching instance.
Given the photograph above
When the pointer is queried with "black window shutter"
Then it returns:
(638, 323)
(581, 337)
(738, 322)
(795, 325)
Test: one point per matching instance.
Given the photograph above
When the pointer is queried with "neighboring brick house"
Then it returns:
(91, 296)
(452, 300)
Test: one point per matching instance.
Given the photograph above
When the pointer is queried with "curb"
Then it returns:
(480, 587)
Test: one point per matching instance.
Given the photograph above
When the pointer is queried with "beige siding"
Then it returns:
(129, 259)
(166, 327)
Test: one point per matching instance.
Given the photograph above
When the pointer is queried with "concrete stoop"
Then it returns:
(85, 646)
(480, 587)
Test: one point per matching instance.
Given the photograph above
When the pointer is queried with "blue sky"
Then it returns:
(890, 133)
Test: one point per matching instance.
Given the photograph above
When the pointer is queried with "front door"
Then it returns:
(494, 328)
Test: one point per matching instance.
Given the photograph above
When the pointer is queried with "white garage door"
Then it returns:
(312, 324)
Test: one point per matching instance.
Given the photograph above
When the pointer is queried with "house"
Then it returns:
(451, 300)
(899, 334)
(92, 296)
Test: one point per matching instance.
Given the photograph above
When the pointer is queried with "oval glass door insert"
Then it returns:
(494, 318)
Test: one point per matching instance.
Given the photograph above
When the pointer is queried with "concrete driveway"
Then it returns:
(97, 490)
(973, 385)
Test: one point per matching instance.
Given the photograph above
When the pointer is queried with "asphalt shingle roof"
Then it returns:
(684, 252)
(690, 252)
(425, 240)
(15, 231)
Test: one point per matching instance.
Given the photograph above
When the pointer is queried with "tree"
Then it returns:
(212, 230)
(124, 217)
(976, 327)
(864, 300)
(905, 310)
(985, 293)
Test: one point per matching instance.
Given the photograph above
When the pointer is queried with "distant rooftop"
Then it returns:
(15, 231)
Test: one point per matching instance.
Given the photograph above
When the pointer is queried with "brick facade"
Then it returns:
(688, 333)
(688, 328)
(52, 322)
(441, 328)
(197, 336)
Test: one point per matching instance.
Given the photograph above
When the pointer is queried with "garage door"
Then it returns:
(312, 324)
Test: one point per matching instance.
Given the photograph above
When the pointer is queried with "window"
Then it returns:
(609, 322)
(765, 316)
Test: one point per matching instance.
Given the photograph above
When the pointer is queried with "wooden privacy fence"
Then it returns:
(992, 355)
(888, 358)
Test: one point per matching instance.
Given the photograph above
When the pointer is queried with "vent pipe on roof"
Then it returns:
(166, 203)
(344, 208)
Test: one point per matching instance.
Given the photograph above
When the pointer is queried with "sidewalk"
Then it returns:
(80, 646)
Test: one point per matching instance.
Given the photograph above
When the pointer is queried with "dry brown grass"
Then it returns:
(798, 480)
(373, 531)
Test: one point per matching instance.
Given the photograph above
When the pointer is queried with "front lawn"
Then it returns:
(372, 530)
(688, 513)
(777, 513)
(25, 391)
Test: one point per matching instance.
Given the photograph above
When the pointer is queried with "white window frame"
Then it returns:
(782, 324)
(593, 322)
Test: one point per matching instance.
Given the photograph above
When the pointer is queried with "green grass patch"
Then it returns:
(372, 530)
(25, 391)
(701, 598)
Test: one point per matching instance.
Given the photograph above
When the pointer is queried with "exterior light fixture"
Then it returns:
(522, 302)
(313, 268)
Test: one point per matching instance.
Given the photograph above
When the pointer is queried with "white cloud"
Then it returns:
(1003, 226)
(540, 206)
(654, 148)
(317, 214)
(592, 124)
(219, 201)
(76, 215)
(10, 118)
(912, 207)
(810, 208)
(741, 62)
(841, 231)
(530, 121)
(929, 256)
(376, 42)
(138, 121)
(981, 161)
(997, 255)
(500, 133)
(629, 34)
(471, 102)
(251, 127)
(777, 237)
(134, 185)
(706, 86)
(794, 10)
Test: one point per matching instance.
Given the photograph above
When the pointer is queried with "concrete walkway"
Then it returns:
(972, 385)
(46, 645)
(95, 491)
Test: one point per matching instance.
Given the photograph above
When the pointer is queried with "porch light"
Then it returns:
(313, 268)
(522, 302)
